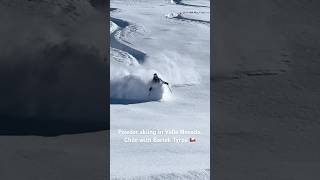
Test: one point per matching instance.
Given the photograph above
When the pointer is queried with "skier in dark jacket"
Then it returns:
(156, 80)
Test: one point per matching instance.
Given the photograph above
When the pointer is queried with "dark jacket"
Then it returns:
(156, 79)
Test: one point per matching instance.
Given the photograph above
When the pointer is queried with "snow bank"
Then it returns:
(113, 27)
(172, 15)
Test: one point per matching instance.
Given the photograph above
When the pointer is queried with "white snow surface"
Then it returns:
(170, 38)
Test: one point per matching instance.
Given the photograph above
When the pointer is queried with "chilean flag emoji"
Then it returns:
(192, 140)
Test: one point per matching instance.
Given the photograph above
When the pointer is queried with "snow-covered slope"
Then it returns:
(170, 38)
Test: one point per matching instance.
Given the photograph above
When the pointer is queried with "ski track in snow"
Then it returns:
(179, 2)
(181, 16)
(118, 38)
(184, 16)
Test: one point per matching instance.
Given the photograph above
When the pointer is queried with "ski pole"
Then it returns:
(169, 88)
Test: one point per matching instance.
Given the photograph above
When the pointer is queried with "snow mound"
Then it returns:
(191, 16)
(173, 2)
(113, 27)
(123, 57)
(172, 15)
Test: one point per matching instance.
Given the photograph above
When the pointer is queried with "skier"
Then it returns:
(157, 80)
